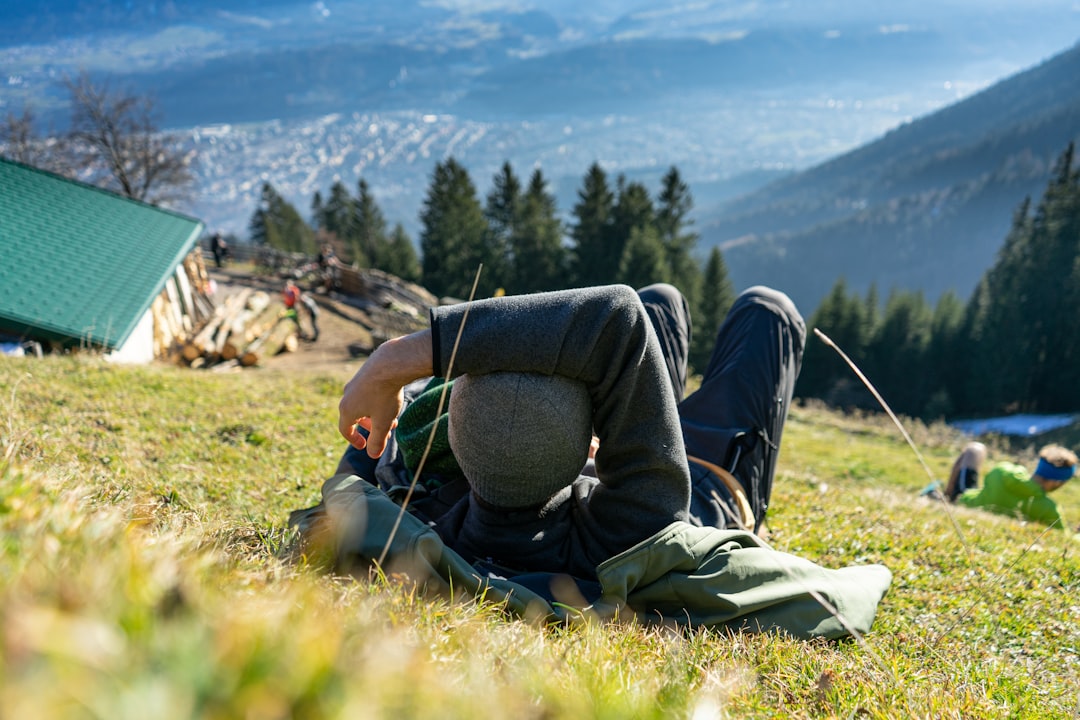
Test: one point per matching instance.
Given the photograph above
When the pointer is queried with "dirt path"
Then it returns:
(329, 355)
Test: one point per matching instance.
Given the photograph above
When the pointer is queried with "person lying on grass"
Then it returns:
(493, 412)
(1010, 489)
(540, 374)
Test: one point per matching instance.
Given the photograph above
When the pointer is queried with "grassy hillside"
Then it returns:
(142, 574)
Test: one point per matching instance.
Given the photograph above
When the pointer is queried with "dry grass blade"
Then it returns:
(911, 443)
(434, 426)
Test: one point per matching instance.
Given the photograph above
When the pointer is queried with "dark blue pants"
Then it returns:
(967, 479)
(735, 419)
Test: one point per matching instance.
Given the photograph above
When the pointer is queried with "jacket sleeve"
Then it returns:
(602, 337)
(1017, 480)
(1044, 510)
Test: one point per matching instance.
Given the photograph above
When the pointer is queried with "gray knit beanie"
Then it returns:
(519, 437)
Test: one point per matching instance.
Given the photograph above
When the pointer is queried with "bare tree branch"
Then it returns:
(19, 141)
(116, 136)
(17, 137)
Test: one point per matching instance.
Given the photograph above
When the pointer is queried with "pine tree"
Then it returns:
(258, 226)
(976, 373)
(838, 316)
(317, 211)
(452, 238)
(540, 260)
(1055, 250)
(591, 229)
(276, 223)
(399, 256)
(503, 212)
(944, 348)
(1068, 349)
(633, 211)
(643, 259)
(999, 380)
(717, 297)
(871, 316)
(672, 224)
(368, 227)
(897, 352)
(848, 321)
(337, 216)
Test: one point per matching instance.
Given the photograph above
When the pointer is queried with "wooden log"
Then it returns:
(204, 340)
(187, 299)
(258, 301)
(226, 366)
(205, 336)
(173, 308)
(162, 335)
(236, 339)
(265, 320)
(239, 342)
(196, 346)
(204, 305)
(233, 307)
(196, 271)
(273, 342)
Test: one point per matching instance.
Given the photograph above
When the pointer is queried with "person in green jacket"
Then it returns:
(1009, 489)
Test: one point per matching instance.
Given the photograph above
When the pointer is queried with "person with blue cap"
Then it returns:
(1010, 489)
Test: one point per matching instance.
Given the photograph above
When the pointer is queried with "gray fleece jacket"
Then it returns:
(626, 529)
(603, 338)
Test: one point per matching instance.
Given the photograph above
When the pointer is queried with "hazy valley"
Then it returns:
(737, 96)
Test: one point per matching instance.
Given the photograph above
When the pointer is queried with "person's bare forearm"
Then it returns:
(373, 397)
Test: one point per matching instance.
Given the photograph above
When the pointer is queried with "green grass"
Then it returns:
(142, 522)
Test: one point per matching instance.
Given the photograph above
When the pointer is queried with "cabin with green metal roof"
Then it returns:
(85, 267)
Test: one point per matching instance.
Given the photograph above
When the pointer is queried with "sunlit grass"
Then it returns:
(142, 515)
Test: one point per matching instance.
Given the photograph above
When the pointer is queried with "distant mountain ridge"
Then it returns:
(924, 207)
(612, 76)
(289, 82)
(27, 21)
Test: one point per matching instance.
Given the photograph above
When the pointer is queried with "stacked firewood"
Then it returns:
(181, 306)
(247, 327)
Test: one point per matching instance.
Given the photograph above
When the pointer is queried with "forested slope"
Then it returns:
(925, 207)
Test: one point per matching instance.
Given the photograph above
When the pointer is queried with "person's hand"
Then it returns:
(370, 404)
(373, 398)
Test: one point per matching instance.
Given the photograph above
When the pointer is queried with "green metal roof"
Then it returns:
(78, 264)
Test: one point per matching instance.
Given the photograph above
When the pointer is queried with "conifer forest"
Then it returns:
(1010, 347)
